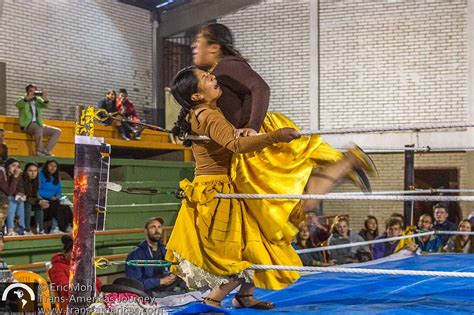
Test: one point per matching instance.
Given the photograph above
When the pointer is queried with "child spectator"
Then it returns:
(371, 228)
(319, 232)
(3, 149)
(341, 234)
(50, 190)
(127, 110)
(34, 203)
(303, 240)
(461, 243)
(59, 272)
(109, 104)
(11, 186)
(440, 213)
(393, 228)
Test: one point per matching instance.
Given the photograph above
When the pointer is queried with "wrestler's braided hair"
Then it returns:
(184, 85)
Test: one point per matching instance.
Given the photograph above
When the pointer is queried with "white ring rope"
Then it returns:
(420, 127)
(383, 240)
(367, 271)
(346, 197)
(404, 192)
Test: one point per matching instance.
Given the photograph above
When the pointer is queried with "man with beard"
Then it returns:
(158, 282)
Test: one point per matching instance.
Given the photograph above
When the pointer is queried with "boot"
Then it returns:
(123, 134)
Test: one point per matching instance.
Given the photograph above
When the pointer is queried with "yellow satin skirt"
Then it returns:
(220, 237)
(283, 168)
(223, 237)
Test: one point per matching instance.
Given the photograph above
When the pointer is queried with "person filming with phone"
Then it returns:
(30, 109)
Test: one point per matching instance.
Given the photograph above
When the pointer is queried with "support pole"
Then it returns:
(409, 184)
(89, 209)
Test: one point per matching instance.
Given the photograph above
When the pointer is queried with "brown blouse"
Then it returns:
(245, 95)
(214, 157)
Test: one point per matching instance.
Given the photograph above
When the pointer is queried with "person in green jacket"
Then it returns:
(30, 108)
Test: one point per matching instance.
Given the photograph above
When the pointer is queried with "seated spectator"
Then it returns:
(127, 110)
(303, 240)
(34, 204)
(11, 186)
(400, 217)
(30, 108)
(157, 281)
(109, 105)
(429, 243)
(371, 228)
(393, 228)
(60, 269)
(341, 234)
(3, 149)
(440, 213)
(461, 243)
(3, 212)
(50, 189)
(319, 232)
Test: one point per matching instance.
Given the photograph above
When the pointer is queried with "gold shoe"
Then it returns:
(360, 179)
(365, 161)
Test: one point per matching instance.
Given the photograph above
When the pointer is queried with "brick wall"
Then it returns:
(392, 62)
(76, 50)
(274, 36)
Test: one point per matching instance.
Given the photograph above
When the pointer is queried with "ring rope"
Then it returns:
(366, 271)
(404, 192)
(345, 197)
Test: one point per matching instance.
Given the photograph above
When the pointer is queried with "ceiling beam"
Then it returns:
(197, 13)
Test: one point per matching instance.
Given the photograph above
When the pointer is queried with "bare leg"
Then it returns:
(217, 295)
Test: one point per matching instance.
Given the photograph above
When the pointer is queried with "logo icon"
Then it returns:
(19, 291)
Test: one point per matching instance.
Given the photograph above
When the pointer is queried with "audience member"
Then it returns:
(109, 104)
(157, 281)
(429, 243)
(341, 234)
(3, 149)
(371, 228)
(393, 228)
(127, 110)
(440, 213)
(30, 109)
(11, 186)
(34, 203)
(318, 232)
(5, 273)
(461, 243)
(50, 189)
(3, 212)
(60, 269)
(400, 217)
(303, 241)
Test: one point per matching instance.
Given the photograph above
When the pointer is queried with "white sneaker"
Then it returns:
(12, 233)
(28, 233)
(56, 231)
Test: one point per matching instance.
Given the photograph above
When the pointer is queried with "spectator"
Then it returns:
(303, 240)
(319, 232)
(429, 243)
(341, 234)
(371, 228)
(461, 243)
(3, 149)
(3, 212)
(5, 273)
(400, 217)
(34, 203)
(127, 110)
(59, 272)
(157, 281)
(393, 228)
(440, 213)
(30, 109)
(50, 189)
(110, 106)
(11, 186)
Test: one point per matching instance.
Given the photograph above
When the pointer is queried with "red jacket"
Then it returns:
(59, 276)
(126, 107)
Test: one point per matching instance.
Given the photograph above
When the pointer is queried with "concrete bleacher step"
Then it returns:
(21, 144)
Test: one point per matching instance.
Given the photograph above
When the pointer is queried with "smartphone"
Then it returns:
(38, 93)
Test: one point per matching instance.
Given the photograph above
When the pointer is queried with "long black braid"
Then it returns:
(184, 85)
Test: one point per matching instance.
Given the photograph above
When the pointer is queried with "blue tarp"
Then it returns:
(362, 294)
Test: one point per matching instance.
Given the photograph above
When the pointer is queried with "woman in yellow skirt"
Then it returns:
(215, 240)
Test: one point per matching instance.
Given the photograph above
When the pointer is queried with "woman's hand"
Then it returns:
(244, 132)
(289, 134)
(43, 203)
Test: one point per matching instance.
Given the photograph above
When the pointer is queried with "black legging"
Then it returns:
(62, 214)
